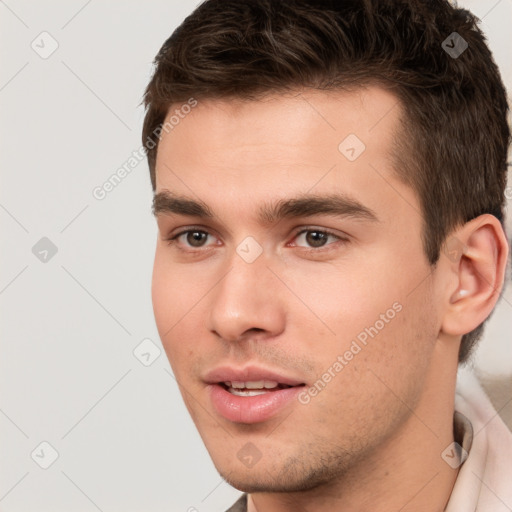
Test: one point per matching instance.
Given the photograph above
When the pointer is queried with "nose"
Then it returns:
(247, 302)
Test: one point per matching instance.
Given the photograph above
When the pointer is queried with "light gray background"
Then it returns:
(69, 376)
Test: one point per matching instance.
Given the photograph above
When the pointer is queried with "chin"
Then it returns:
(265, 485)
(292, 478)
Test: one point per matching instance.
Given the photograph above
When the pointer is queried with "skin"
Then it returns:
(372, 438)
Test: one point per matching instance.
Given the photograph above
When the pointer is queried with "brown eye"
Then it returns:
(196, 238)
(190, 239)
(316, 238)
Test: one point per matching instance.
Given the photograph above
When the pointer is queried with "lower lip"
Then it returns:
(251, 409)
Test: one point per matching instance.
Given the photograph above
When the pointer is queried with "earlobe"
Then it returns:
(479, 271)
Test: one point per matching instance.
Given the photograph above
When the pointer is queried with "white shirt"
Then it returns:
(484, 482)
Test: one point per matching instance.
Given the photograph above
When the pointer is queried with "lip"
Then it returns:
(250, 409)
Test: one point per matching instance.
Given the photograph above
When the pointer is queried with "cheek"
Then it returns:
(163, 295)
(369, 381)
(344, 299)
(372, 310)
(174, 294)
(175, 289)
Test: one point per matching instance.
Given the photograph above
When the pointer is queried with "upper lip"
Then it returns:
(248, 374)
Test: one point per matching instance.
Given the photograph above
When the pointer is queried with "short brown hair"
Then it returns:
(453, 142)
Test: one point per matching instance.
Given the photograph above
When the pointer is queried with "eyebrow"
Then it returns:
(305, 205)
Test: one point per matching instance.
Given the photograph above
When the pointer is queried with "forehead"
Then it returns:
(371, 113)
(300, 142)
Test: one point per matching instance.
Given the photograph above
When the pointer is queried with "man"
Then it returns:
(329, 190)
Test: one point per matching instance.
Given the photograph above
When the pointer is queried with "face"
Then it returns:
(290, 287)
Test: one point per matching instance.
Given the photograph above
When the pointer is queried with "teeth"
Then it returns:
(255, 384)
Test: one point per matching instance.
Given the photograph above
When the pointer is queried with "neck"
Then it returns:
(406, 473)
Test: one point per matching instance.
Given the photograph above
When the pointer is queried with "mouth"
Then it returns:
(251, 395)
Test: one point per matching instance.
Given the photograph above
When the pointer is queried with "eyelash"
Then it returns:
(173, 239)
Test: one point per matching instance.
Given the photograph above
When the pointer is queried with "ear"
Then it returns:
(477, 253)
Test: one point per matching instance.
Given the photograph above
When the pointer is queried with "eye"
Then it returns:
(190, 238)
(316, 238)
